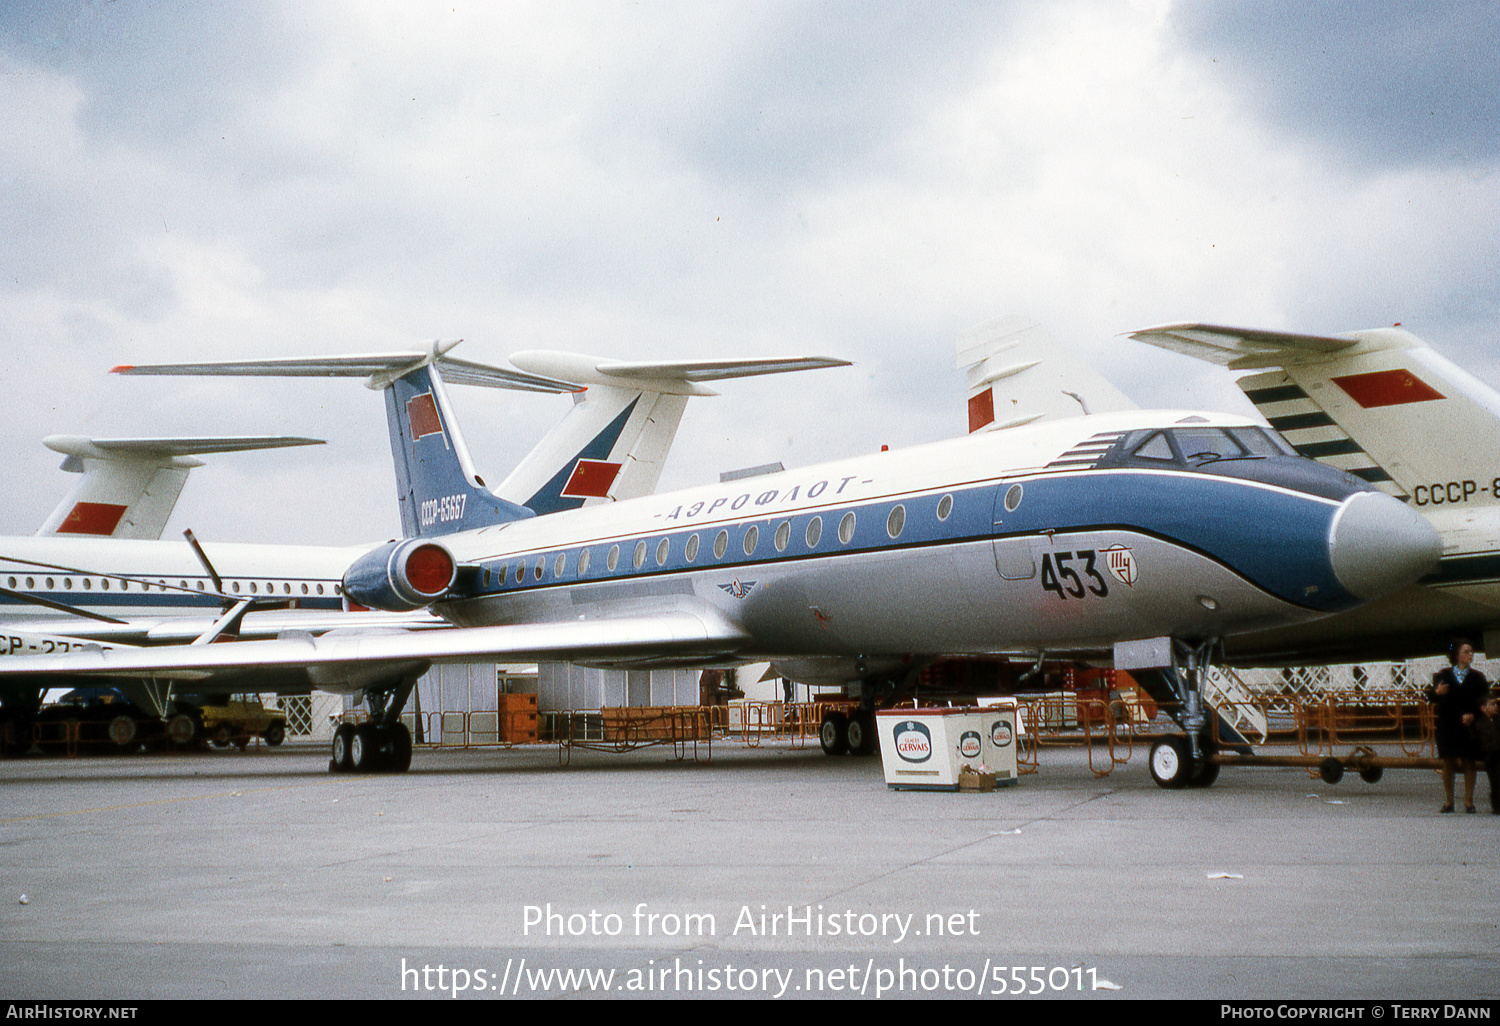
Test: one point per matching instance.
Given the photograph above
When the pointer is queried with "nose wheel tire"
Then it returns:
(1204, 775)
(1171, 763)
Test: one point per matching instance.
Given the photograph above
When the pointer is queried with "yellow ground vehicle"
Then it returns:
(240, 718)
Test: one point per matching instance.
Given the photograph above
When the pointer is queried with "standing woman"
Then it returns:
(1455, 694)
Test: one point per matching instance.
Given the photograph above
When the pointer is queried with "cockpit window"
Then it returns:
(1155, 448)
(1207, 445)
(1259, 443)
(1198, 446)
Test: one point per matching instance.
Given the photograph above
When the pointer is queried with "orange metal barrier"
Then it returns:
(796, 722)
(1088, 722)
(624, 728)
(1316, 724)
(481, 728)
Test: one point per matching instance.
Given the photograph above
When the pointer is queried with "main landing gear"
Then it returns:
(382, 745)
(371, 748)
(854, 731)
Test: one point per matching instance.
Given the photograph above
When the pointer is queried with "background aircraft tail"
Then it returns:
(1018, 374)
(614, 442)
(1379, 404)
(130, 486)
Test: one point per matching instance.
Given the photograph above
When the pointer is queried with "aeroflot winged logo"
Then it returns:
(737, 588)
(422, 417)
(913, 741)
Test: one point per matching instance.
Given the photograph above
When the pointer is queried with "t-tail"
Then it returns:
(1017, 374)
(436, 485)
(129, 486)
(610, 446)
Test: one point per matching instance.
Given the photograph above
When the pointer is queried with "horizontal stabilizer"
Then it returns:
(166, 448)
(380, 368)
(670, 377)
(1242, 348)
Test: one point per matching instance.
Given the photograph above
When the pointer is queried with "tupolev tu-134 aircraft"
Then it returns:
(1143, 535)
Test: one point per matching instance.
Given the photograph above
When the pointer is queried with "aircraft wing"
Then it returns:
(1242, 348)
(256, 626)
(347, 660)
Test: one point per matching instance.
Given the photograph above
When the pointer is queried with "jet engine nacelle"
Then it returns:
(401, 576)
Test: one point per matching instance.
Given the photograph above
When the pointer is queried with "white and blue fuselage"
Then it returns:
(1068, 536)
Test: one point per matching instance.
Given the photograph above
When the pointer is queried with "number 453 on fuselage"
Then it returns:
(1068, 537)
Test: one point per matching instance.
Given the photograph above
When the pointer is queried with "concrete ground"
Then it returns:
(769, 872)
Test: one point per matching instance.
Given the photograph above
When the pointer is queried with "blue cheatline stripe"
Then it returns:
(1277, 540)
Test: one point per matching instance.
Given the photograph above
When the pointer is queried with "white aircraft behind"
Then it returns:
(1383, 406)
(129, 486)
(1124, 532)
(95, 575)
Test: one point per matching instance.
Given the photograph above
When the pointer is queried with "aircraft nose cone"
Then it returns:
(1378, 544)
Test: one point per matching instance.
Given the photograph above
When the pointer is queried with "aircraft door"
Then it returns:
(1015, 556)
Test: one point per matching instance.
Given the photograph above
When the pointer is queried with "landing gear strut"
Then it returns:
(1186, 761)
(383, 745)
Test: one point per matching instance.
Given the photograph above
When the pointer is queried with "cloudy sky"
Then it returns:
(668, 180)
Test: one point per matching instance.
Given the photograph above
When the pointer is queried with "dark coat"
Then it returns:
(1454, 740)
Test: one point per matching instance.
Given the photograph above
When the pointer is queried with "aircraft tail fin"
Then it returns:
(1018, 374)
(129, 486)
(438, 490)
(613, 443)
(1379, 404)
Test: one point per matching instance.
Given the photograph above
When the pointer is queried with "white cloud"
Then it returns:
(663, 181)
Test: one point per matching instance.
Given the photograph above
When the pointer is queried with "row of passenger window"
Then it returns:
(125, 584)
(812, 534)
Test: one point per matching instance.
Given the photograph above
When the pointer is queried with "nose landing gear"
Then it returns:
(1186, 761)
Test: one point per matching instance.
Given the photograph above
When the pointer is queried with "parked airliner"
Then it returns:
(1073, 536)
(1382, 405)
(91, 578)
